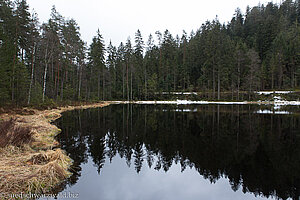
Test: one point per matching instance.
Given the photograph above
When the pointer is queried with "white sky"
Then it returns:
(118, 19)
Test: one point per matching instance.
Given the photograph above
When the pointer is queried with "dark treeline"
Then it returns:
(257, 153)
(257, 50)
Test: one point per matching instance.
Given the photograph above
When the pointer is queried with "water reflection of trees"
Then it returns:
(259, 153)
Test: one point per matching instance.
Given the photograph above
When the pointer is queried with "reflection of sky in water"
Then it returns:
(118, 181)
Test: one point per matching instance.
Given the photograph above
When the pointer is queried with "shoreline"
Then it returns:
(41, 165)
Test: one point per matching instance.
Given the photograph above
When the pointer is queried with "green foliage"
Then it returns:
(152, 85)
(36, 94)
(21, 82)
(96, 67)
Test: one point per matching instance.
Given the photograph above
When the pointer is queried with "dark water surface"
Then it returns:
(181, 152)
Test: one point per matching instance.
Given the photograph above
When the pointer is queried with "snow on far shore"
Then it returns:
(180, 93)
(286, 103)
(277, 100)
(277, 104)
(273, 112)
(257, 92)
(186, 102)
(273, 92)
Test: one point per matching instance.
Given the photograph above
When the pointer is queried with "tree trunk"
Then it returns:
(127, 81)
(184, 70)
(238, 83)
(45, 74)
(131, 82)
(292, 74)
(145, 83)
(214, 82)
(57, 85)
(103, 82)
(219, 85)
(232, 89)
(98, 85)
(89, 83)
(45, 80)
(62, 87)
(251, 78)
(32, 72)
(86, 91)
(123, 81)
(14, 65)
(52, 69)
(272, 79)
(79, 84)
(280, 78)
(174, 81)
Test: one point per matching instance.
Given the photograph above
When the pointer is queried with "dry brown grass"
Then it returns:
(27, 173)
(11, 134)
(30, 165)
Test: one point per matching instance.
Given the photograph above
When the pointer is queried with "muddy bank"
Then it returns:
(40, 165)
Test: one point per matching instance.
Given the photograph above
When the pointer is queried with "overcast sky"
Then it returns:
(118, 19)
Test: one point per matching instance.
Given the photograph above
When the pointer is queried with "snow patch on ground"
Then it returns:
(273, 112)
(273, 92)
(179, 93)
(181, 110)
(187, 102)
(286, 103)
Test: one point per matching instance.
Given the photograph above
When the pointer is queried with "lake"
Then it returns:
(180, 152)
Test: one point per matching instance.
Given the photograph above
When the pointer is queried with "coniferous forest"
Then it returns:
(259, 49)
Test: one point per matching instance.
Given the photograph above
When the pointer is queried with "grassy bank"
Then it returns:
(30, 158)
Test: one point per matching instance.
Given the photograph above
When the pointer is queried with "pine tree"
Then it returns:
(129, 68)
(111, 65)
(141, 81)
(97, 65)
(120, 69)
(253, 71)
(7, 49)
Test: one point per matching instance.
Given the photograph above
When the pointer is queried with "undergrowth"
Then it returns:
(12, 134)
